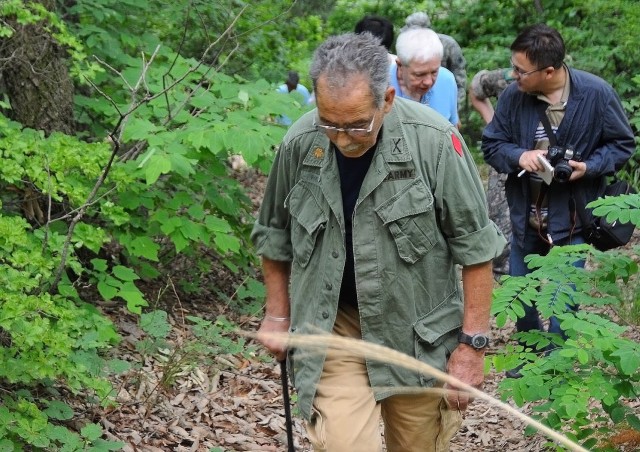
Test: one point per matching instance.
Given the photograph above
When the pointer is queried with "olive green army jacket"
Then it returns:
(420, 211)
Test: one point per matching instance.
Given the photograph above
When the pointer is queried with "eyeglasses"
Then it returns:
(522, 73)
(352, 132)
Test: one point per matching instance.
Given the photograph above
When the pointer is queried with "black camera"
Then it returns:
(559, 157)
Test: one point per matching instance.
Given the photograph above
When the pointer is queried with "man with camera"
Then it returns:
(590, 139)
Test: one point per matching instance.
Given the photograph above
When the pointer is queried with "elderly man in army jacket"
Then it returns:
(370, 204)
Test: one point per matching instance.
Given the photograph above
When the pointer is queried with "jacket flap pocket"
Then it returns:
(413, 199)
(305, 207)
(444, 319)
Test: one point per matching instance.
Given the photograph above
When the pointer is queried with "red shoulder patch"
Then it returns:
(457, 145)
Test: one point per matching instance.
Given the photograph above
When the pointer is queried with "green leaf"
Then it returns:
(107, 291)
(133, 297)
(99, 264)
(155, 167)
(118, 366)
(618, 414)
(182, 165)
(139, 129)
(227, 243)
(217, 224)
(143, 246)
(124, 273)
(179, 241)
(59, 410)
(583, 356)
(155, 324)
(629, 360)
(91, 432)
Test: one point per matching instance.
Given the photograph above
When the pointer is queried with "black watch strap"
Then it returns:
(478, 341)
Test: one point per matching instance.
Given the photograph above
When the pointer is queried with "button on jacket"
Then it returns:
(421, 209)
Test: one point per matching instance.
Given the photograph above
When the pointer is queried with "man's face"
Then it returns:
(419, 77)
(529, 77)
(351, 107)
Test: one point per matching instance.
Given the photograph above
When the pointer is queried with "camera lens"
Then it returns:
(562, 172)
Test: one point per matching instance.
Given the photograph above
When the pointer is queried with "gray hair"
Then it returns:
(417, 20)
(342, 57)
(418, 44)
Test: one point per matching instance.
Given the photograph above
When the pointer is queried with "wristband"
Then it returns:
(276, 319)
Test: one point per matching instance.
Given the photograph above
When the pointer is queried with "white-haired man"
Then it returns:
(417, 73)
(452, 57)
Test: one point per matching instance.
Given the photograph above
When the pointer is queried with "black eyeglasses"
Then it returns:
(522, 73)
(351, 131)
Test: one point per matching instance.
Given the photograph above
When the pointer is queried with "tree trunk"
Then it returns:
(36, 78)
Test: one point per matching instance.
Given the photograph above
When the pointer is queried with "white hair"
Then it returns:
(418, 44)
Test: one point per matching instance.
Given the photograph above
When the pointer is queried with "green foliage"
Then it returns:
(170, 193)
(46, 340)
(34, 13)
(211, 341)
(173, 91)
(250, 39)
(587, 377)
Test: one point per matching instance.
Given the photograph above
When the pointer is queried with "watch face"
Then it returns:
(479, 341)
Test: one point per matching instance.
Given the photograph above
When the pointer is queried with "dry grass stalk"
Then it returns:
(385, 354)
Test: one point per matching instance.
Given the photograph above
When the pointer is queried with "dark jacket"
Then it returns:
(596, 126)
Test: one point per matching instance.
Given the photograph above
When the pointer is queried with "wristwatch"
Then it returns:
(478, 341)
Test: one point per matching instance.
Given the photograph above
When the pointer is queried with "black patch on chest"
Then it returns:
(402, 174)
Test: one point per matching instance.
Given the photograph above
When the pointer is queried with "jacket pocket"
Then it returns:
(409, 217)
(309, 219)
(436, 334)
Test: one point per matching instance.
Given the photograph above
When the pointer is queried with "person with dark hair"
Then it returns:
(593, 137)
(292, 83)
(371, 203)
(377, 26)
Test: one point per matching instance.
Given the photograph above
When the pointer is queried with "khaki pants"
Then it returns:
(346, 416)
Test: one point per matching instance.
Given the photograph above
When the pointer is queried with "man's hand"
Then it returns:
(579, 169)
(466, 364)
(265, 335)
(529, 160)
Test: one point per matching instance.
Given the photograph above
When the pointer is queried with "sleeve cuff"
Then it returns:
(479, 246)
(272, 243)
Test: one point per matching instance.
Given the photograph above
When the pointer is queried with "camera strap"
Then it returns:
(544, 119)
(544, 188)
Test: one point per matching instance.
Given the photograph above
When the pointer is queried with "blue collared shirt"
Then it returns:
(442, 97)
